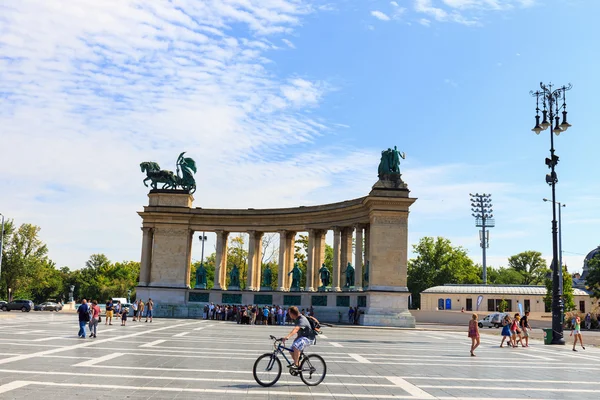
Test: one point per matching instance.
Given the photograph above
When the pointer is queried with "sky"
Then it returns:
(289, 102)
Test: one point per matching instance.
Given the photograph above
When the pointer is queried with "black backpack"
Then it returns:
(315, 326)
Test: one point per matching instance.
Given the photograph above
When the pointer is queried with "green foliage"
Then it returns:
(503, 306)
(531, 265)
(300, 254)
(503, 276)
(593, 277)
(568, 292)
(209, 266)
(23, 252)
(100, 279)
(438, 263)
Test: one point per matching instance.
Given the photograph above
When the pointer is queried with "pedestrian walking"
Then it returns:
(576, 332)
(109, 312)
(95, 318)
(506, 335)
(149, 308)
(588, 321)
(141, 307)
(134, 307)
(84, 317)
(525, 328)
(124, 316)
(351, 315)
(474, 334)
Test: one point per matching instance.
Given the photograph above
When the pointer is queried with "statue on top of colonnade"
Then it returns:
(390, 162)
(184, 179)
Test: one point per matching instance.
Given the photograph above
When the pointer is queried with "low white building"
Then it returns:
(489, 297)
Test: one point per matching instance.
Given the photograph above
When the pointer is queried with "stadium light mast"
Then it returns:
(482, 211)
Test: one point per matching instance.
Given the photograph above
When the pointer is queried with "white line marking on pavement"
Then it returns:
(151, 344)
(202, 327)
(181, 334)
(409, 388)
(97, 360)
(87, 344)
(335, 344)
(322, 336)
(47, 339)
(251, 391)
(527, 389)
(191, 379)
(12, 386)
(360, 359)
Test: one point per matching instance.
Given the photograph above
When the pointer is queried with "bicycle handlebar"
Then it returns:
(274, 338)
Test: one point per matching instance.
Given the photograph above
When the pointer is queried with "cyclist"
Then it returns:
(305, 336)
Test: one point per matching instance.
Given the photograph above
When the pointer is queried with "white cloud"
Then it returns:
(379, 15)
(288, 43)
(425, 22)
(122, 82)
(465, 12)
(394, 4)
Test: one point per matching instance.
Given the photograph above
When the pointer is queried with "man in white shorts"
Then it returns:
(305, 337)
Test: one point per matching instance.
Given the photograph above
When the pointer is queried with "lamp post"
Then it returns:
(202, 239)
(560, 252)
(550, 98)
(482, 211)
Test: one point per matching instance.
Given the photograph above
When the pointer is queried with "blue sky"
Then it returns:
(289, 102)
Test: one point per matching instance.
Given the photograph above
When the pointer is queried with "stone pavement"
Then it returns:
(41, 357)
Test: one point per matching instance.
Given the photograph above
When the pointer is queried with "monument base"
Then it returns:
(201, 286)
(266, 289)
(324, 289)
(388, 309)
(233, 288)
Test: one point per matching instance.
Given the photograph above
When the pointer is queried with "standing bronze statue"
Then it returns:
(349, 276)
(366, 275)
(267, 277)
(296, 276)
(390, 162)
(234, 277)
(325, 276)
(201, 277)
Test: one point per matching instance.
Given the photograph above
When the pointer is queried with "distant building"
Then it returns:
(455, 297)
(580, 282)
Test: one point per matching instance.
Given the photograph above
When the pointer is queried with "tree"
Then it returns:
(503, 276)
(438, 263)
(23, 251)
(568, 292)
(592, 280)
(300, 254)
(46, 283)
(531, 265)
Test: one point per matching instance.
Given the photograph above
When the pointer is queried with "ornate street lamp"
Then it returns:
(550, 98)
(203, 240)
(482, 211)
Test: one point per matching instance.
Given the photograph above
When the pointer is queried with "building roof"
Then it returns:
(495, 289)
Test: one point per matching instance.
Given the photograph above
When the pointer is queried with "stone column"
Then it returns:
(367, 243)
(188, 267)
(258, 262)
(146, 260)
(251, 261)
(282, 261)
(319, 256)
(221, 261)
(336, 259)
(346, 252)
(310, 261)
(358, 258)
(290, 241)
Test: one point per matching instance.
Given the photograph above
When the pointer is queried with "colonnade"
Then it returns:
(342, 255)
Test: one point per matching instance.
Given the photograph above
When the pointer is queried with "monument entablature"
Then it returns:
(371, 273)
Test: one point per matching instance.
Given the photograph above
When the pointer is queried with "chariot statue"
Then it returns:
(390, 162)
(183, 179)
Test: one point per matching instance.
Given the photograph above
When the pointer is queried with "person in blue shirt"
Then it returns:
(265, 315)
(84, 317)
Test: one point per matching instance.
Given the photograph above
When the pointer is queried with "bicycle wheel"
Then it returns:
(267, 369)
(313, 370)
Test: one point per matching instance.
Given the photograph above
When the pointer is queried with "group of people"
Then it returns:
(251, 314)
(516, 330)
(89, 314)
(353, 315)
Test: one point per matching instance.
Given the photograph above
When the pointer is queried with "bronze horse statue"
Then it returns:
(156, 175)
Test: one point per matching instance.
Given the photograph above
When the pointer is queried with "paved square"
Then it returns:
(41, 357)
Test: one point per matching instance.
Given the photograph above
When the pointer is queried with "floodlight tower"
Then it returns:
(482, 211)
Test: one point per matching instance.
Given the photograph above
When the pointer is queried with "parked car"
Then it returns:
(48, 306)
(492, 320)
(23, 305)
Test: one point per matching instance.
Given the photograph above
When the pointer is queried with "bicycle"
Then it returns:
(267, 368)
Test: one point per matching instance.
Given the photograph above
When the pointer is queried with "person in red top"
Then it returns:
(474, 334)
(95, 318)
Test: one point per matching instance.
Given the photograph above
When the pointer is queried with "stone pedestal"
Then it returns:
(324, 288)
(266, 288)
(388, 309)
(233, 288)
